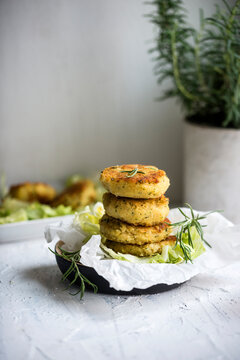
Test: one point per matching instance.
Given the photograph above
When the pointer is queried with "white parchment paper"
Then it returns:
(122, 275)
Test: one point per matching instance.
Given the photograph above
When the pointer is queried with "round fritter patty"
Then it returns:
(135, 181)
(146, 212)
(28, 191)
(119, 231)
(79, 194)
(140, 250)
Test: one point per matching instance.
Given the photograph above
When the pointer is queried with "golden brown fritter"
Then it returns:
(28, 191)
(143, 250)
(119, 231)
(135, 181)
(146, 212)
(79, 194)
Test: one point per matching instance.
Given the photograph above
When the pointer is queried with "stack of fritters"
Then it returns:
(136, 210)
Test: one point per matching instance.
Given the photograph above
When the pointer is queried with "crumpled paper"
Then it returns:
(223, 236)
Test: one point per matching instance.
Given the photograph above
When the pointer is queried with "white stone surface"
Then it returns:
(212, 169)
(41, 321)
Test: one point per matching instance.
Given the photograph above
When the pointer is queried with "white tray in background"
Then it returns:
(28, 230)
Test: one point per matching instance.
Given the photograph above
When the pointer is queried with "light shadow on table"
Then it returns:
(48, 281)
(47, 276)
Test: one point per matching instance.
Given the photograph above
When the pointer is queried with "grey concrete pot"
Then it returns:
(212, 169)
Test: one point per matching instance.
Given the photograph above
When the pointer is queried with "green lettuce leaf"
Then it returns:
(16, 216)
(40, 211)
(87, 220)
(10, 205)
(13, 210)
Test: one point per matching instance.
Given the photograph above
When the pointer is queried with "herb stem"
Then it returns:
(133, 172)
(74, 258)
(176, 73)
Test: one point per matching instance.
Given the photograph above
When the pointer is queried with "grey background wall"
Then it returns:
(77, 90)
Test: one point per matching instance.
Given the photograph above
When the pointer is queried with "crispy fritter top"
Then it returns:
(132, 173)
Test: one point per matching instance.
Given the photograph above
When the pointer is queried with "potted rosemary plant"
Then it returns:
(204, 66)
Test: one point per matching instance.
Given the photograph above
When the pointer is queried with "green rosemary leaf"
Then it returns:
(189, 206)
(207, 243)
(65, 252)
(176, 223)
(68, 272)
(181, 211)
(189, 236)
(75, 278)
(54, 252)
(87, 281)
(201, 217)
(133, 172)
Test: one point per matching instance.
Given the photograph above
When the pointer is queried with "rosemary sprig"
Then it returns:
(133, 172)
(74, 258)
(184, 228)
(202, 62)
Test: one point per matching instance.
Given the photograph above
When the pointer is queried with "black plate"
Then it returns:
(103, 284)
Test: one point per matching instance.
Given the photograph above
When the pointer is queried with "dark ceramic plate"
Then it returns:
(103, 284)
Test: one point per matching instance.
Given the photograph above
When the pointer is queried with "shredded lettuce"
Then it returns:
(10, 205)
(40, 211)
(13, 210)
(87, 220)
(16, 216)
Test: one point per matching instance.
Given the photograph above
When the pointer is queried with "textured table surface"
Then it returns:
(39, 320)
